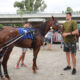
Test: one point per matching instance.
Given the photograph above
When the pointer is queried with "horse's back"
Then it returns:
(7, 33)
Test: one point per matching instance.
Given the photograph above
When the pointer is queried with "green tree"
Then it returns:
(31, 5)
(21, 13)
(1, 26)
(69, 9)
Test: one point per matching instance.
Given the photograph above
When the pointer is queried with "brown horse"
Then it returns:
(9, 33)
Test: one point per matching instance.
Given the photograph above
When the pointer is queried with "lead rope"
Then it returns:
(71, 36)
(1, 49)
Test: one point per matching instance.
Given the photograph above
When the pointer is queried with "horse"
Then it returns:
(9, 33)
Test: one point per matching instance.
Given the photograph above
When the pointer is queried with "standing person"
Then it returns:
(69, 34)
(79, 39)
(61, 36)
(27, 25)
(48, 38)
(21, 58)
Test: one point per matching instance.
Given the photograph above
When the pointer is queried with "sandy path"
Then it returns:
(50, 63)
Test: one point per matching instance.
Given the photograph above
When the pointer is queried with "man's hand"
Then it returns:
(75, 32)
(66, 34)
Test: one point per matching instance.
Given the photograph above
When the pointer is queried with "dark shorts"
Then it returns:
(70, 47)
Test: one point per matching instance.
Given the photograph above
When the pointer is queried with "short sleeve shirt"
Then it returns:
(69, 27)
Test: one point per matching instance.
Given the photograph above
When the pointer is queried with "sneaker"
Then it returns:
(17, 66)
(73, 71)
(67, 68)
(23, 65)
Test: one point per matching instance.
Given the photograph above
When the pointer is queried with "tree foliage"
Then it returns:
(31, 5)
(1, 26)
(68, 9)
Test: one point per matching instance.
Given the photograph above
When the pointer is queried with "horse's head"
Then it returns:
(52, 23)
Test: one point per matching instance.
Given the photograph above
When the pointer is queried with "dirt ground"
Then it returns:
(50, 63)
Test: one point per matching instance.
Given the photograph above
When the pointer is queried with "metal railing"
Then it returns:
(36, 15)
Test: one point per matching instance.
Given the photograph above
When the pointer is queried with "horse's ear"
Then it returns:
(53, 17)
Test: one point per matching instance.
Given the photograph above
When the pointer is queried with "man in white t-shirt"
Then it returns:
(48, 38)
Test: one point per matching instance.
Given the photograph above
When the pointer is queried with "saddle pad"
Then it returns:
(30, 33)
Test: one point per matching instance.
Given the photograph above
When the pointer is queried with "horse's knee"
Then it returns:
(34, 59)
(5, 68)
(3, 64)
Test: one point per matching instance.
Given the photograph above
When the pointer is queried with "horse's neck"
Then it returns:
(42, 28)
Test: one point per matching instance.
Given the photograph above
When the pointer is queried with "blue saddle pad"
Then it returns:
(30, 33)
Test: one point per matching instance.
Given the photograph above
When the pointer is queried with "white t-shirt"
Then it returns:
(49, 35)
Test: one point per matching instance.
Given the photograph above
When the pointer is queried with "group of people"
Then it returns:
(69, 36)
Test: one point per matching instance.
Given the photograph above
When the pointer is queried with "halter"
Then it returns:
(56, 23)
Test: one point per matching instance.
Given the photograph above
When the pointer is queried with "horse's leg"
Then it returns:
(2, 52)
(35, 53)
(4, 62)
(1, 76)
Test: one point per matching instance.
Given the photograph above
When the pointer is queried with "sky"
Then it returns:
(53, 6)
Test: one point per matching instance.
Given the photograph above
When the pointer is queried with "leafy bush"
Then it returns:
(1, 26)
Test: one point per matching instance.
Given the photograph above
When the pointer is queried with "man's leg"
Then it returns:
(68, 61)
(23, 57)
(68, 58)
(74, 63)
(49, 46)
(22, 61)
(73, 60)
(73, 55)
(17, 66)
(67, 50)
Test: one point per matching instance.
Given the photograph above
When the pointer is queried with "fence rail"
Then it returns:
(36, 15)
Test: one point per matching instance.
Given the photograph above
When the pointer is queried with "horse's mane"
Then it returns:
(41, 28)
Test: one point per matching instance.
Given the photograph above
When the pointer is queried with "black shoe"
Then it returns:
(73, 71)
(67, 68)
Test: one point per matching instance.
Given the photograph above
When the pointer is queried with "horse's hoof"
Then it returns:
(34, 71)
(2, 79)
(7, 79)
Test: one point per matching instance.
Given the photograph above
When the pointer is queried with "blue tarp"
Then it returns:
(29, 34)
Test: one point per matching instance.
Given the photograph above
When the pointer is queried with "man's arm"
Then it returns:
(75, 32)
